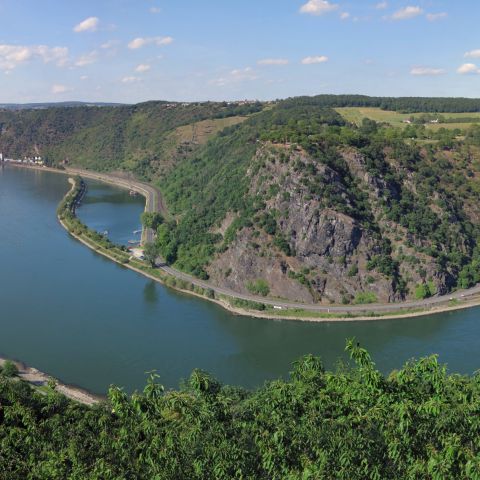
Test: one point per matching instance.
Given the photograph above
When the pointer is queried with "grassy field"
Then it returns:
(357, 114)
(190, 136)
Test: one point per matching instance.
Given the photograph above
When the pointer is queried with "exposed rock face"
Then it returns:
(319, 251)
(330, 249)
(244, 262)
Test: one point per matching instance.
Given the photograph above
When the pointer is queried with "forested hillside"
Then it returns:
(296, 203)
(354, 423)
(133, 137)
(288, 199)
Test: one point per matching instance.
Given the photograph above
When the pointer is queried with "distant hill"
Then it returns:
(288, 198)
(36, 106)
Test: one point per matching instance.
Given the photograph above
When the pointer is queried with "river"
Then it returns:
(87, 321)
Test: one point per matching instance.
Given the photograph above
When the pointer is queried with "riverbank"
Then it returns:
(40, 380)
(257, 307)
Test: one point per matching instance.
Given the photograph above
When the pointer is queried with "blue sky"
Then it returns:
(136, 50)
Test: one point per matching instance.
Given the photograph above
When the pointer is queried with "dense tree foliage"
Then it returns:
(131, 137)
(417, 423)
(398, 104)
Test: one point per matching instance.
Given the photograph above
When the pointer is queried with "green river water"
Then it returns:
(87, 321)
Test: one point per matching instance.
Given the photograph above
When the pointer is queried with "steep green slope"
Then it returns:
(105, 138)
(324, 211)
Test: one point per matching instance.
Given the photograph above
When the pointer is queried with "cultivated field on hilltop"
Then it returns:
(451, 120)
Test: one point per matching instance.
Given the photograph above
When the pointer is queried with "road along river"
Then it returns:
(154, 203)
(87, 321)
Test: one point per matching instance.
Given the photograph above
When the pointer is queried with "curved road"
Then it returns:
(153, 199)
(154, 203)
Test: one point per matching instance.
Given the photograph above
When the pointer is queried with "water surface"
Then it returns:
(112, 210)
(74, 314)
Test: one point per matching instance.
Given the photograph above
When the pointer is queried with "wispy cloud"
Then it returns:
(143, 67)
(427, 71)
(90, 24)
(155, 10)
(273, 61)
(407, 13)
(434, 17)
(472, 54)
(87, 59)
(11, 56)
(58, 88)
(344, 15)
(381, 5)
(130, 79)
(318, 7)
(140, 42)
(110, 44)
(237, 75)
(314, 59)
(468, 69)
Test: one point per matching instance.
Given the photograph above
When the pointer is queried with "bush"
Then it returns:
(353, 271)
(422, 291)
(258, 287)
(363, 298)
(9, 369)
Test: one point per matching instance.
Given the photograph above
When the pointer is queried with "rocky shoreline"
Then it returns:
(37, 379)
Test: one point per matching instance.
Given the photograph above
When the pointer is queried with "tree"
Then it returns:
(151, 219)
(150, 252)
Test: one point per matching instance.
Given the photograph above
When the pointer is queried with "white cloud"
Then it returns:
(137, 43)
(87, 59)
(143, 67)
(155, 10)
(58, 88)
(381, 5)
(109, 44)
(235, 76)
(140, 42)
(468, 69)
(433, 17)
(344, 15)
(427, 71)
(11, 56)
(130, 79)
(472, 54)
(84, 77)
(318, 7)
(406, 13)
(315, 59)
(90, 24)
(273, 61)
